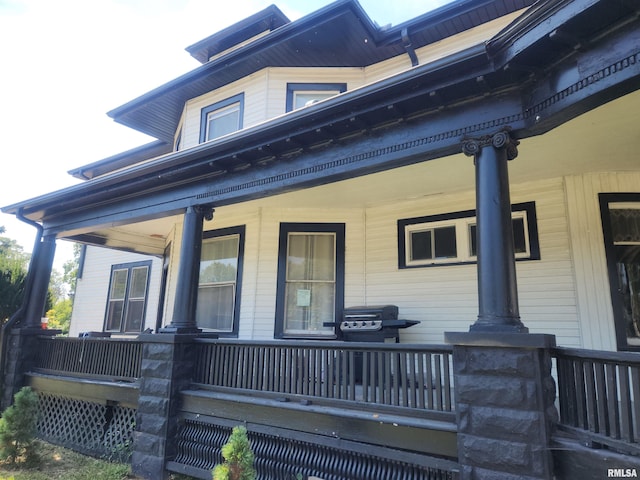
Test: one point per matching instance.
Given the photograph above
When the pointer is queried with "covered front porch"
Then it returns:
(536, 117)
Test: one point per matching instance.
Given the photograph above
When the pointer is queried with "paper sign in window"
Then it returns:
(303, 298)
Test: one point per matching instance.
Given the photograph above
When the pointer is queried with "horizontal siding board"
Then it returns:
(564, 293)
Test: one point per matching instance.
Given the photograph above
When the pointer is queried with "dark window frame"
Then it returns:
(239, 230)
(610, 254)
(532, 227)
(339, 229)
(129, 266)
(292, 88)
(205, 111)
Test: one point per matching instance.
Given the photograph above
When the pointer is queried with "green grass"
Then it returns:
(57, 463)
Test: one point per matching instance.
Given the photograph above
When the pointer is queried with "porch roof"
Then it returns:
(517, 79)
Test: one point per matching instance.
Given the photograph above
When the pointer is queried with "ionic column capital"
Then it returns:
(472, 146)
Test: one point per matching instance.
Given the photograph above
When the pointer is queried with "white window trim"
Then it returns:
(462, 221)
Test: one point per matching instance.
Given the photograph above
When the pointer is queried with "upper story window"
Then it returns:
(303, 94)
(128, 291)
(221, 118)
(220, 279)
(452, 239)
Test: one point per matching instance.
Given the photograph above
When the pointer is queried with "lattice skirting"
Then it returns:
(88, 427)
(281, 457)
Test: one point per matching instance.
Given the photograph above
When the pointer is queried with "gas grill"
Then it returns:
(378, 323)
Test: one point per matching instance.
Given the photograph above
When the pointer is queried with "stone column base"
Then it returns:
(504, 404)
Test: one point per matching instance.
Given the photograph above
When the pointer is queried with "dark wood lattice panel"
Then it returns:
(199, 446)
(93, 428)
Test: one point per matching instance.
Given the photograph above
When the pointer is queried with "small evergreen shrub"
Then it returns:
(238, 456)
(18, 428)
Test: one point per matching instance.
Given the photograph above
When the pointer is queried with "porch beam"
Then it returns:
(421, 139)
(497, 286)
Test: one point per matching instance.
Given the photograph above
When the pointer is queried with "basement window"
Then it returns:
(449, 239)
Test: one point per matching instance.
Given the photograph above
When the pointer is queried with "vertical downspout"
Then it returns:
(18, 315)
(408, 46)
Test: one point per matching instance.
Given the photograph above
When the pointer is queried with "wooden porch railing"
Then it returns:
(599, 397)
(105, 358)
(401, 375)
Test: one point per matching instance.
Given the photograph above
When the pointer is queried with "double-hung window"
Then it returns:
(303, 94)
(310, 280)
(221, 118)
(220, 280)
(128, 291)
(451, 238)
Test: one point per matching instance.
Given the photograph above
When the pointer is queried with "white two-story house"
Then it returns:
(463, 177)
(283, 262)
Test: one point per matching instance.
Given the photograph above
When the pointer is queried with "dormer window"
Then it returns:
(221, 118)
(304, 94)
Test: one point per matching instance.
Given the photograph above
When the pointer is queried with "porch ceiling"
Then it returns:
(604, 139)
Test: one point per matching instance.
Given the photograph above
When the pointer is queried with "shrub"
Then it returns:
(238, 456)
(18, 427)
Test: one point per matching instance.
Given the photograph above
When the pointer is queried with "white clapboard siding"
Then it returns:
(93, 289)
(444, 298)
(254, 88)
(265, 90)
(565, 293)
(438, 50)
(270, 220)
(279, 77)
(588, 252)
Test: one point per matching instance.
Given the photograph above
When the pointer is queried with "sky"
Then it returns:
(65, 63)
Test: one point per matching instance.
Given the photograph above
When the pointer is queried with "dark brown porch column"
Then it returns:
(184, 310)
(497, 286)
(19, 334)
(41, 275)
(504, 391)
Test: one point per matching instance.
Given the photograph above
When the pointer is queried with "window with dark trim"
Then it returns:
(302, 94)
(221, 118)
(450, 238)
(620, 214)
(220, 280)
(310, 288)
(128, 294)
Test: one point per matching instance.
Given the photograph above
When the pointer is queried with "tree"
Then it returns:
(70, 267)
(59, 314)
(18, 427)
(238, 456)
(13, 273)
